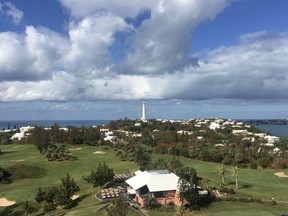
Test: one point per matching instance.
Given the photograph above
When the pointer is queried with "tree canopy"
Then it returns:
(102, 175)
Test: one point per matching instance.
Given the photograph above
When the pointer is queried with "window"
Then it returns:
(159, 194)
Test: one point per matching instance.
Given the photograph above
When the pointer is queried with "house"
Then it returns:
(271, 139)
(19, 136)
(160, 184)
(241, 132)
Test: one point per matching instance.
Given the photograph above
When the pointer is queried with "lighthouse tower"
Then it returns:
(143, 117)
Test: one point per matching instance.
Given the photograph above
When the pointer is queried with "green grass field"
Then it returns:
(235, 209)
(259, 183)
(255, 183)
(26, 189)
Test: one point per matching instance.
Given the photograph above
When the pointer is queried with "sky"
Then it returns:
(99, 59)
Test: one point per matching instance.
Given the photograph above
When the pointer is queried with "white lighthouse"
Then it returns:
(143, 117)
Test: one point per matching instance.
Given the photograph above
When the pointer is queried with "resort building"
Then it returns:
(160, 184)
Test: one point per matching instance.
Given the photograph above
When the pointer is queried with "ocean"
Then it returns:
(49, 123)
(275, 130)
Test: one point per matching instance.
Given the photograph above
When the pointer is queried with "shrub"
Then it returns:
(151, 202)
(21, 171)
(253, 165)
(227, 190)
(167, 208)
(227, 160)
(4, 176)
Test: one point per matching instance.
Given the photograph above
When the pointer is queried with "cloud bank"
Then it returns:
(40, 64)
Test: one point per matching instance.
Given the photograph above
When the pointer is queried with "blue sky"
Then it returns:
(70, 59)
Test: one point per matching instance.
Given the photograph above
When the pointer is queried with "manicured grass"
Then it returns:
(235, 209)
(240, 209)
(259, 183)
(255, 183)
(26, 189)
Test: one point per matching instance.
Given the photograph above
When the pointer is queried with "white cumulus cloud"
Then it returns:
(40, 64)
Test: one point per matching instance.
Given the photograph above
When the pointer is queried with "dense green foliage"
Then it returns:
(5, 138)
(43, 138)
(118, 207)
(50, 142)
(52, 197)
(166, 138)
(198, 143)
(57, 152)
(190, 191)
(151, 202)
(22, 171)
(4, 176)
(102, 175)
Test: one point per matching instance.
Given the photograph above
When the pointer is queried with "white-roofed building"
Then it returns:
(272, 139)
(19, 136)
(160, 184)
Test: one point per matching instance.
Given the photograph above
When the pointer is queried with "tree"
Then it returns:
(66, 190)
(159, 163)
(221, 172)
(188, 174)
(118, 207)
(40, 196)
(188, 182)
(29, 208)
(102, 175)
(175, 165)
(52, 197)
(151, 202)
(40, 138)
(4, 176)
(142, 157)
(235, 173)
(189, 189)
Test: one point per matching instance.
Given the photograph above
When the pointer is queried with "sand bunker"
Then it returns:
(75, 149)
(17, 160)
(99, 152)
(4, 202)
(74, 197)
(280, 174)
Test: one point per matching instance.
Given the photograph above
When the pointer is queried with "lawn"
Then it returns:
(259, 183)
(235, 209)
(239, 209)
(255, 183)
(26, 189)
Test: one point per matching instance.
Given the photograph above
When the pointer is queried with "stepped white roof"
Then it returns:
(155, 180)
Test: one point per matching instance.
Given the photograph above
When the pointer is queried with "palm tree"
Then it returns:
(235, 172)
(221, 172)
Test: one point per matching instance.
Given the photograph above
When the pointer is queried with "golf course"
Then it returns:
(253, 183)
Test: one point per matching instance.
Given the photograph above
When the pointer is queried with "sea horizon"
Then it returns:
(5, 124)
